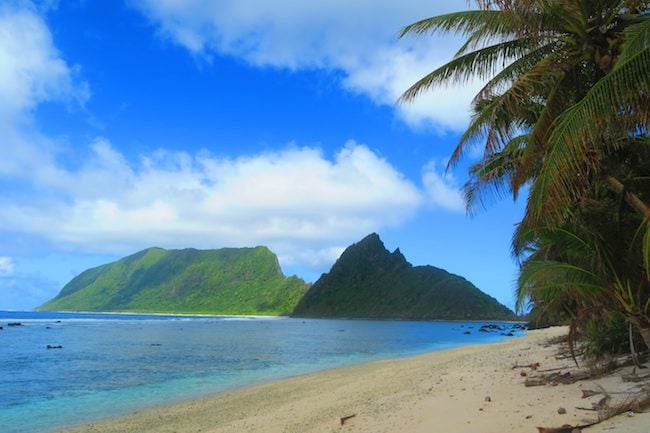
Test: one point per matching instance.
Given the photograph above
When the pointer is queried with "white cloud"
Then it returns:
(7, 266)
(441, 188)
(32, 68)
(303, 204)
(33, 71)
(300, 203)
(358, 38)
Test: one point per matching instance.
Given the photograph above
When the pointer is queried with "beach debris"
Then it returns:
(523, 374)
(533, 366)
(54, 347)
(601, 404)
(586, 393)
(561, 410)
(536, 381)
(566, 428)
(558, 378)
(488, 398)
(529, 416)
(347, 417)
(633, 377)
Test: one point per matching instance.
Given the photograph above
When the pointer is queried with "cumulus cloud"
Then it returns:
(441, 188)
(305, 205)
(32, 70)
(301, 203)
(357, 38)
(6, 266)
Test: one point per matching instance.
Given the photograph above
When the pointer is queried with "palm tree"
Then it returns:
(572, 75)
(568, 88)
(590, 263)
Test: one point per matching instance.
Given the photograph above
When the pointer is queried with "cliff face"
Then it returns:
(224, 281)
(368, 281)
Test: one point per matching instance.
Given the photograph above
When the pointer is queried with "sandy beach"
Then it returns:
(471, 389)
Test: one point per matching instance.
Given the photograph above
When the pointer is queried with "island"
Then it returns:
(368, 281)
(232, 281)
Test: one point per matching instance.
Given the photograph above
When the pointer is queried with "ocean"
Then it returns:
(112, 364)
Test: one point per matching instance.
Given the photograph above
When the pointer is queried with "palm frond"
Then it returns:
(490, 178)
(637, 39)
(481, 63)
(577, 138)
(464, 23)
(514, 70)
(548, 279)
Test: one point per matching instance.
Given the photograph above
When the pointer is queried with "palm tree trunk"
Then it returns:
(643, 326)
(645, 334)
(632, 199)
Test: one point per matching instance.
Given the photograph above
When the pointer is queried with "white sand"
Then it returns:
(441, 391)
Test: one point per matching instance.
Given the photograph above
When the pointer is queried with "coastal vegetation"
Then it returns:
(368, 281)
(223, 281)
(563, 118)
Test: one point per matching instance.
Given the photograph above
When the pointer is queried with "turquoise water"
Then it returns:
(114, 364)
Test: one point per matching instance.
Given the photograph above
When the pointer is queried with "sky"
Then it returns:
(127, 124)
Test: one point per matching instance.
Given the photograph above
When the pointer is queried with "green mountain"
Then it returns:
(368, 281)
(224, 281)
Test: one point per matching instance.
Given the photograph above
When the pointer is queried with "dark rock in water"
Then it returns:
(58, 321)
(14, 324)
(156, 344)
(466, 332)
(508, 334)
(54, 347)
(48, 327)
(482, 329)
(1, 328)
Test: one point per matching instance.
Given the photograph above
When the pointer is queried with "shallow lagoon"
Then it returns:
(112, 364)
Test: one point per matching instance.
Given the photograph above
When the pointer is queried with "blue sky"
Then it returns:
(134, 123)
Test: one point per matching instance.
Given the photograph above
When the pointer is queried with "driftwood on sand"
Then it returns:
(347, 417)
(557, 378)
(566, 428)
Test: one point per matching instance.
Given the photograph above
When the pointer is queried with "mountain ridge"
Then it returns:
(220, 281)
(368, 281)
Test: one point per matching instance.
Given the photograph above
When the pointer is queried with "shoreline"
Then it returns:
(471, 389)
(253, 316)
